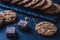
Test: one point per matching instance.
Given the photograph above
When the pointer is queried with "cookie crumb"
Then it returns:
(26, 19)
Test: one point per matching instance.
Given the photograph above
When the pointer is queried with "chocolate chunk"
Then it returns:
(11, 32)
(22, 24)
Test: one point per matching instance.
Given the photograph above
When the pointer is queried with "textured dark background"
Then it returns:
(35, 17)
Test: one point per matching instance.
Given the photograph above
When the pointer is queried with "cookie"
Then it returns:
(33, 2)
(1, 19)
(9, 15)
(46, 28)
(48, 3)
(14, 1)
(39, 4)
(24, 2)
(54, 9)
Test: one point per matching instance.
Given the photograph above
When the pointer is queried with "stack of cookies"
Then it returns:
(7, 16)
(45, 5)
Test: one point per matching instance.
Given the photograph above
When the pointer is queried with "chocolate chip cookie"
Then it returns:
(9, 15)
(1, 19)
(33, 2)
(41, 2)
(54, 9)
(14, 1)
(48, 3)
(46, 28)
(23, 2)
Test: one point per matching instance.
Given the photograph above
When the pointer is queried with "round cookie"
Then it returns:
(14, 1)
(24, 2)
(33, 2)
(46, 28)
(55, 8)
(9, 15)
(20, 2)
(41, 2)
(48, 3)
(1, 19)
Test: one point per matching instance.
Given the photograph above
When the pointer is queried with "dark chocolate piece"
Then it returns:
(11, 32)
(22, 24)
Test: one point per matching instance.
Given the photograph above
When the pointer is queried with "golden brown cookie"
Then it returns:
(54, 9)
(1, 19)
(41, 2)
(15, 1)
(48, 3)
(9, 15)
(46, 28)
(33, 2)
(24, 2)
